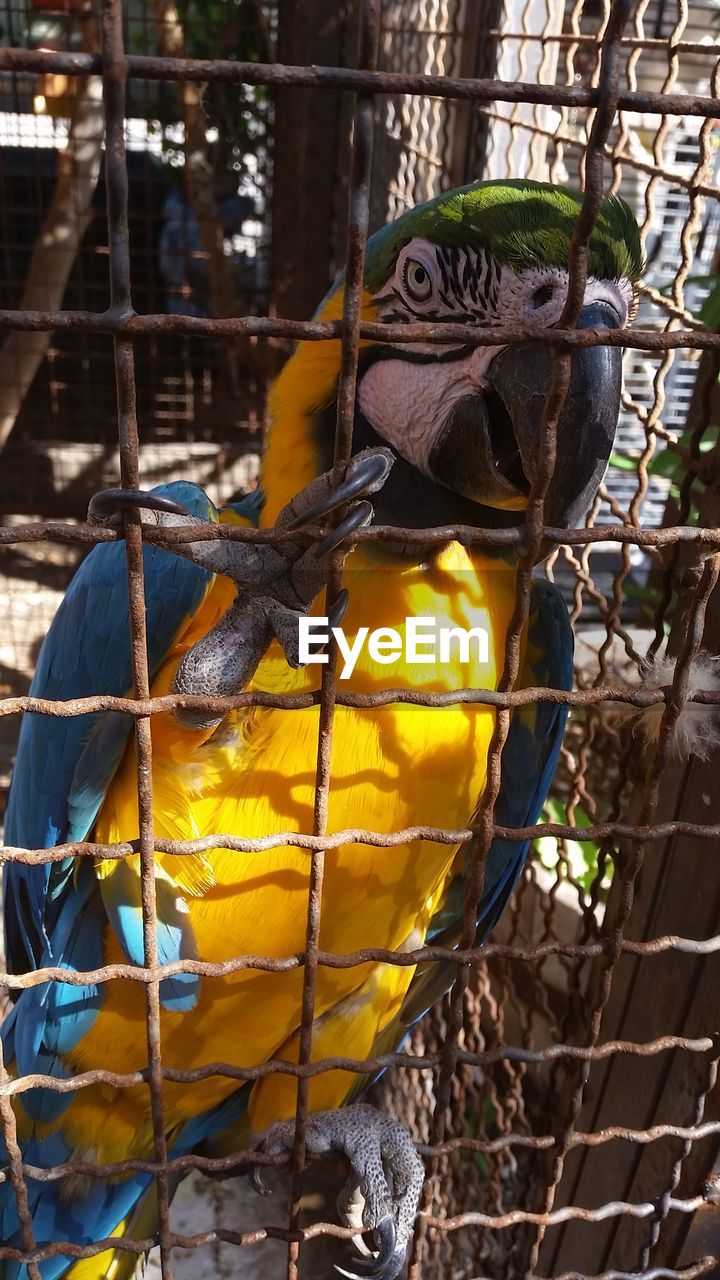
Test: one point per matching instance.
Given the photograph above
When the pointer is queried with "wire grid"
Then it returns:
(190, 397)
(455, 1052)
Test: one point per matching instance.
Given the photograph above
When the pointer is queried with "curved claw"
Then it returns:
(256, 1181)
(381, 1268)
(112, 502)
(387, 1263)
(336, 613)
(338, 608)
(388, 1270)
(366, 477)
(385, 1236)
(360, 515)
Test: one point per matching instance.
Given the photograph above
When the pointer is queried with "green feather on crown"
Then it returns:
(522, 224)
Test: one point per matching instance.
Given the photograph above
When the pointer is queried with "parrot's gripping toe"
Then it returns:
(276, 585)
(366, 473)
(383, 1189)
(107, 506)
(360, 516)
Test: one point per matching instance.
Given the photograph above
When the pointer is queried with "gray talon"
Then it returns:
(335, 615)
(112, 502)
(338, 608)
(256, 1181)
(360, 515)
(385, 1268)
(385, 1236)
(276, 585)
(387, 1263)
(367, 475)
(383, 1189)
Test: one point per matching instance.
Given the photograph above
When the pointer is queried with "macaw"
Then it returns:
(444, 435)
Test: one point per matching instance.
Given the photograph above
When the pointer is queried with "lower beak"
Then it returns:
(492, 443)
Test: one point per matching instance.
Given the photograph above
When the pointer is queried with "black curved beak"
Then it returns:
(490, 447)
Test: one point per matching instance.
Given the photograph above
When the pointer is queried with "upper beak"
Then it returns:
(491, 445)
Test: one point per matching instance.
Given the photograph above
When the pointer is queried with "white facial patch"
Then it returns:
(407, 403)
(537, 296)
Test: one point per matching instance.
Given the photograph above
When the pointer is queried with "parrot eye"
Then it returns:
(416, 279)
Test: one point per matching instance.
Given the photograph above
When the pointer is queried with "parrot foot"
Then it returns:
(366, 473)
(383, 1189)
(276, 585)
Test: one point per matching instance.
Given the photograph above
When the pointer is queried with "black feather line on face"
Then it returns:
(380, 351)
(438, 316)
(467, 274)
(454, 280)
(471, 272)
(443, 272)
(487, 276)
(470, 300)
(495, 288)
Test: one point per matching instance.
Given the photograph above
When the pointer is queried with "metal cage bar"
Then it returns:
(605, 98)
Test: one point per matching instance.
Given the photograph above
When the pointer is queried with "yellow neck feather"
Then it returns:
(307, 384)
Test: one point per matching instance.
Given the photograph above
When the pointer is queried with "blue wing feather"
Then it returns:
(104, 1203)
(54, 913)
(55, 1216)
(175, 938)
(64, 765)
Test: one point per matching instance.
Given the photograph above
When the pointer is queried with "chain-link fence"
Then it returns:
(563, 1095)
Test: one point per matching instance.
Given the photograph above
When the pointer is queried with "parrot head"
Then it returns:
(465, 421)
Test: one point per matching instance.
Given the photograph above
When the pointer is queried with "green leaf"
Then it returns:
(634, 591)
(667, 463)
(623, 462)
(709, 312)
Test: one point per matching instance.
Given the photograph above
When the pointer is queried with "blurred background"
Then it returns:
(238, 199)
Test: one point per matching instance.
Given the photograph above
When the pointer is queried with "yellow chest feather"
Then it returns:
(393, 767)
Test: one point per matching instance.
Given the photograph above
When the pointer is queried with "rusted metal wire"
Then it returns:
(632, 866)
(662, 1208)
(577, 277)
(604, 96)
(142, 67)
(349, 960)
(637, 696)
(226, 1164)
(116, 178)
(617, 157)
(699, 1268)
(572, 1213)
(322, 331)
(565, 39)
(308, 1070)
(378, 839)
(15, 1171)
(357, 234)
(466, 535)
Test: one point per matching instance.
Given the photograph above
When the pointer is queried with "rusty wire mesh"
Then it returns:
(505, 1086)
